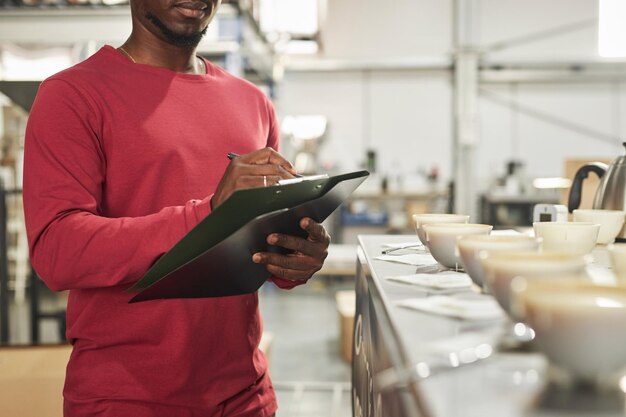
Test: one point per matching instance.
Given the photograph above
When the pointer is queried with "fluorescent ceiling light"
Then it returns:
(298, 17)
(557, 182)
(299, 48)
(611, 28)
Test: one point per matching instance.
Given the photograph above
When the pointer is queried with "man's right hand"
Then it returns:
(256, 169)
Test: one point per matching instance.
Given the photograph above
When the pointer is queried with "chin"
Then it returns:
(185, 33)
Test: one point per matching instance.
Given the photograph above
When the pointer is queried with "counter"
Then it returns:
(410, 363)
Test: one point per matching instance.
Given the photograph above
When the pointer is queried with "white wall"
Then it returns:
(501, 20)
(406, 135)
(389, 28)
(543, 146)
(377, 110)
(407, 115)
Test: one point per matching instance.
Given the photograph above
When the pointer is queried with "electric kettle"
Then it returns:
(611, 192)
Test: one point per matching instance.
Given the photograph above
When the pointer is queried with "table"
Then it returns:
(408, 363)
(341, 260)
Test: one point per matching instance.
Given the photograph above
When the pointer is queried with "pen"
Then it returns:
(233, 155)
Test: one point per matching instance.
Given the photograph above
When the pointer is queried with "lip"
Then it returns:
(193, 9)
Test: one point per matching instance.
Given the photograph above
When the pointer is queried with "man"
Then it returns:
(125, 153)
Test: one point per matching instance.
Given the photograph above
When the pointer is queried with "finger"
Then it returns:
(240, 173)
(317, 232)
(288, 274)
(293, 262)
(268, 156)
(291, 267)
(249, 181)
(277, 159)
(242, 169)
(257, 180)
(273, 179)
(315, 249)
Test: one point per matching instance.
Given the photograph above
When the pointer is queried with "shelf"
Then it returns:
(521, 199)
(62, 25)
(234, 36)
(426, 195)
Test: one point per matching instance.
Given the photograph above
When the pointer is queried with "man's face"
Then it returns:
(179, 22)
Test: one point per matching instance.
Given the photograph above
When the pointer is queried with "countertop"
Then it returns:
(471, 368)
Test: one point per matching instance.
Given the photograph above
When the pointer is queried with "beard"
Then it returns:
(177, 39)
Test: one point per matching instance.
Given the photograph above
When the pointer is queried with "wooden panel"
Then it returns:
(31, 380)
(346, 302)
(590, 184)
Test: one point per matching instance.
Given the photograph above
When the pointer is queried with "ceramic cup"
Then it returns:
(502, 267)
(617, 256)
(425, 218)
(580, 326)
(472, 247)
(610, 221)
(442, 239)
(571, 237)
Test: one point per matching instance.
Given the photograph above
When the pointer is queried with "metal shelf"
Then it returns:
(237, 39)
(62, 25)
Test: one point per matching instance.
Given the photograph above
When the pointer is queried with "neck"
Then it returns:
(155, 52)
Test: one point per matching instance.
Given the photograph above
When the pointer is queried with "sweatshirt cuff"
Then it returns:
(287, 284)
(202, 208)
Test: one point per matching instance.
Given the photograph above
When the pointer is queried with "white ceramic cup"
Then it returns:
(442, 239)
(610, 221)
(571, 237)
(617, 256)
(502, 267)
(472, 247)
(580, 326)
(426, 218)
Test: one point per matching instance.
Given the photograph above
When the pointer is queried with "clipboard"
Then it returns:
(214, 259)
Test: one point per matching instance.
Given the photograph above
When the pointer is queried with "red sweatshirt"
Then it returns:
(121, 160)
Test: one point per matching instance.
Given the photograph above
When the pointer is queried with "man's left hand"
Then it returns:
(307, 257)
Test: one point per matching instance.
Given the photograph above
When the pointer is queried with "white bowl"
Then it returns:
(610, 221)
(581, 327)
(426, 218)
(571, 237)
(472, 247)
(442, 238)
(502, 267)
(617, 255)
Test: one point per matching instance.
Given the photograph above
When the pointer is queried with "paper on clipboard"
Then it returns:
(215, 258)
(300, 179)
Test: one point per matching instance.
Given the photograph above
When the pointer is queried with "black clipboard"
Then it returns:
(214, 259)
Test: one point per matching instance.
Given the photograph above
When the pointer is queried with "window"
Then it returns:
(292, 24)
(611, 28)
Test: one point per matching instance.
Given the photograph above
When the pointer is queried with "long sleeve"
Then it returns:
(121, 162)
(72, 243)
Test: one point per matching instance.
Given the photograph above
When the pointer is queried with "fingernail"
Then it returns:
(256, 258)
(272, 239)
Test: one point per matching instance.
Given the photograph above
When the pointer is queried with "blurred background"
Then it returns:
(485, 107)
